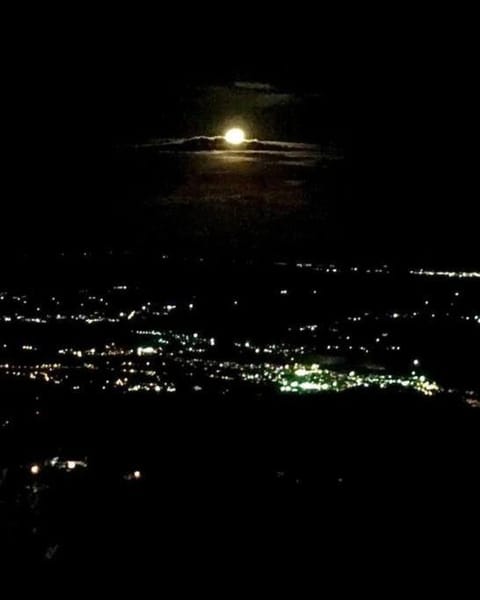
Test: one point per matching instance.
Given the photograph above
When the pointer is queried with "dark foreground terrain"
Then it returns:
(211, 481)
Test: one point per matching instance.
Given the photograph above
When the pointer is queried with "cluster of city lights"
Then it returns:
(92, 309)
(378, 270)
(132, 377)
(312, 378)
(450, 274)
(148, 355)
(69, 465)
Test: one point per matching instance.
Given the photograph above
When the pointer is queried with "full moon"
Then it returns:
(235, 136)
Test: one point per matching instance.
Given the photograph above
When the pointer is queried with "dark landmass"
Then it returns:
(253, 471)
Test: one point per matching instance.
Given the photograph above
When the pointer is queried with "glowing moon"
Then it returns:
(235, 136)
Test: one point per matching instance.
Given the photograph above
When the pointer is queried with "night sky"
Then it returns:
(401, 114)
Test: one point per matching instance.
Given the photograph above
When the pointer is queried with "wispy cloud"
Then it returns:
(218, 143)
(255, 86)
(267, 151)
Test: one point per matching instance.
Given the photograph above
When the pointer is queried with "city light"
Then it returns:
(155, 357)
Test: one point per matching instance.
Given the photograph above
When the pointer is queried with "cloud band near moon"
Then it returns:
(219, 143)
